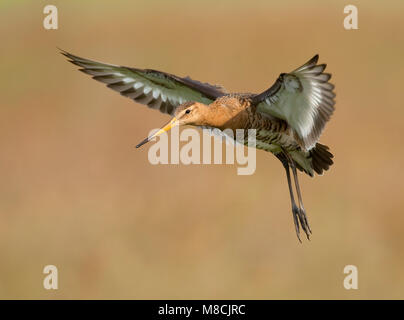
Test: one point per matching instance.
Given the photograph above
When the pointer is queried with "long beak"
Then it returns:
(173, 123)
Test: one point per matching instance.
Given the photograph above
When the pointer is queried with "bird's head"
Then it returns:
(188, 113)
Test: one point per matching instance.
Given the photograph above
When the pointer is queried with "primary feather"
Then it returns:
(156, 89)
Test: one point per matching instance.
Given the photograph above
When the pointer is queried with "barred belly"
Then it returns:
(275, 141)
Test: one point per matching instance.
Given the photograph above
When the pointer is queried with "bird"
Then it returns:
(289, 117)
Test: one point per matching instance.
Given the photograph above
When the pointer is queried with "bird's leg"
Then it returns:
(302, 213)
(295, 209)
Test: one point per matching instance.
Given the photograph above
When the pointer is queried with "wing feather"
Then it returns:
(157, 89)
(304, 98)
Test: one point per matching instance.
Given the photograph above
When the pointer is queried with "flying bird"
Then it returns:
(289, 117)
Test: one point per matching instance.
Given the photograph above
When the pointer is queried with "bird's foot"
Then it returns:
(295, 211)
(300, 218)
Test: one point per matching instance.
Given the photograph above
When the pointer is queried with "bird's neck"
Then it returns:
(223, 117)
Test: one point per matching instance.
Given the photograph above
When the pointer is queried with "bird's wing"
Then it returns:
(156, 89)
(304, 98)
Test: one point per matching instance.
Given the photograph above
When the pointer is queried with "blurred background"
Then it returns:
(75, 193)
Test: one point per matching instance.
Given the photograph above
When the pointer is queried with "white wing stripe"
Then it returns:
(147, 89)
(157, 89)
(303, 98)
(138, 85)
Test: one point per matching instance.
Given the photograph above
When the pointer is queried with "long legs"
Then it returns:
(305, 225)
(299, 214)
(295, 209)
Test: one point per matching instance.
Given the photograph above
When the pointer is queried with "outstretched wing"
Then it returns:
(156, 89)
(304, 98)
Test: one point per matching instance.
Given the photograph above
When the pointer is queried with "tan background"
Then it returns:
(75, 193)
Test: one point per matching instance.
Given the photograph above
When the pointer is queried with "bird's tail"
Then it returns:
(321, 158)
(317, 160)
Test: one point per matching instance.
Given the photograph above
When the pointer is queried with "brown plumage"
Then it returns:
(288, 118)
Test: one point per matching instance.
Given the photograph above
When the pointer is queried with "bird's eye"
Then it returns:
(188, 111)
